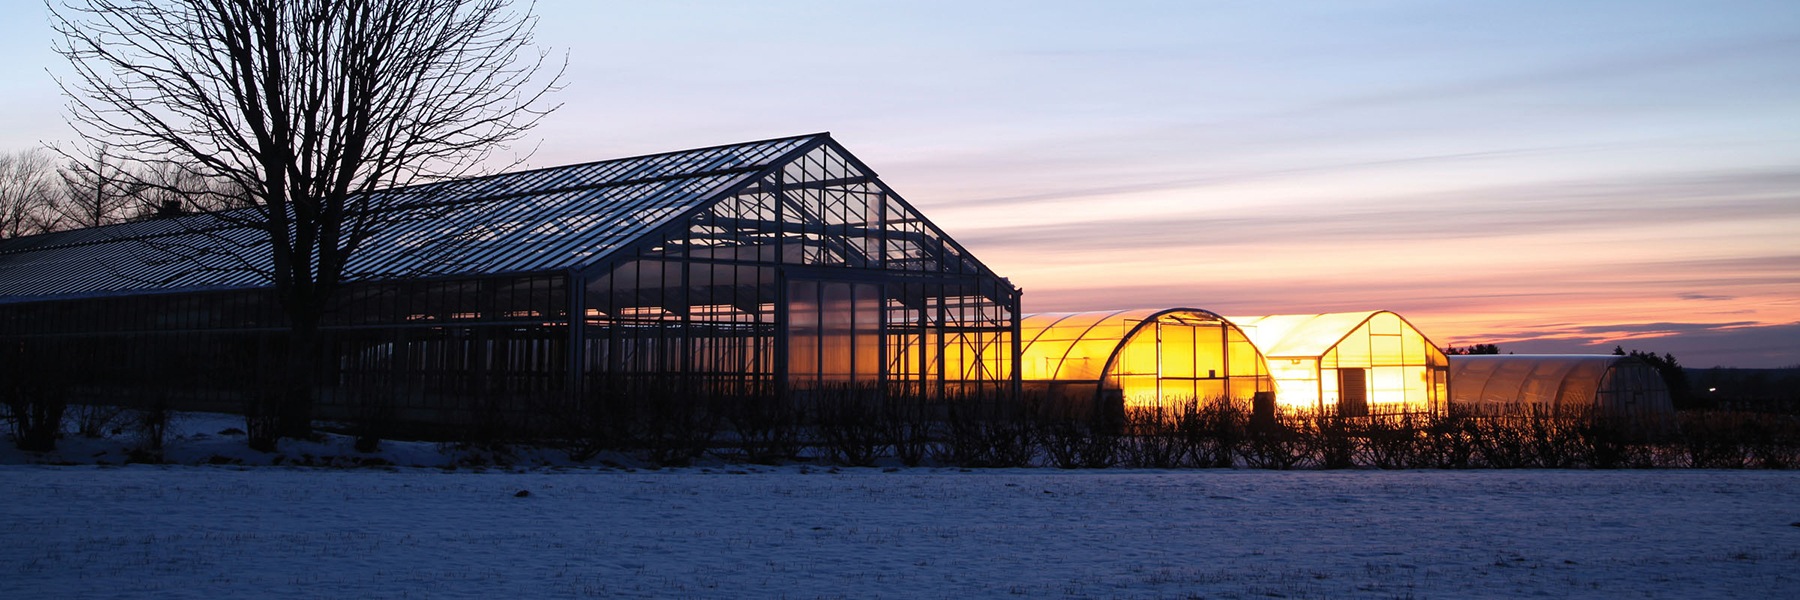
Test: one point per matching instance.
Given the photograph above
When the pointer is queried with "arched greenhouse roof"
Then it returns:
(1145, 357)
(1557, 381)
(1093, 335)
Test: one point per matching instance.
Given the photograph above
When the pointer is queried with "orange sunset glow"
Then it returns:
(1549, 177)
(1708, 260)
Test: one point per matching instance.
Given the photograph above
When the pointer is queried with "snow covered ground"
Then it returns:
(143, 531)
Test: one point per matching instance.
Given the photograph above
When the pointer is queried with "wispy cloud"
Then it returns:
(1238, 176)
(1585, 73)
(1764, 346)
(1488, 212)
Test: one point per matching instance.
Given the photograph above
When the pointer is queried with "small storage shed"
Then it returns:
(1353, 364)
(1513, 383)
(1143, 357)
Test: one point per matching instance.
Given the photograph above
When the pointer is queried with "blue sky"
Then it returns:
(1551, 176)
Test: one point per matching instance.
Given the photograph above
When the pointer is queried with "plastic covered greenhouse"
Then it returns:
(1511, 383)
(1140, 358)
(762, 267)
(1352, 364)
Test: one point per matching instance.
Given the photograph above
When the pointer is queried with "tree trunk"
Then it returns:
(37, 413)
(35, 380)
(262, 396)
(300, 384)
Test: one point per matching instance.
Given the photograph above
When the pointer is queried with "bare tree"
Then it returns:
(309, 106)
(27, 184)
(173, 190)
(96, 191)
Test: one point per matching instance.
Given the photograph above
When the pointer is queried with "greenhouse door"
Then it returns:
(1353, 392)
(834, 333)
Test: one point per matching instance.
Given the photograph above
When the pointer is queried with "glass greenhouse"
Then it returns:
(1509, 383)
(1352, 364)
(1142, 358)
(762, 267)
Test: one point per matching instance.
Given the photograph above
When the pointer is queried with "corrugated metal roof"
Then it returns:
(529, 221)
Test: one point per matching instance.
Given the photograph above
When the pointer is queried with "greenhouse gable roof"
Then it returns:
(551, 219)
(1300, 336)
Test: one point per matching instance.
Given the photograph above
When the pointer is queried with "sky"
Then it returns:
(1548, 176)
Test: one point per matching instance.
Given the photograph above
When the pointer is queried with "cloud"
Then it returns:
(1585, 73)
(1168, 154)
(1241, 176)
(1762, 346)
(1487, 212)
(1656, 328)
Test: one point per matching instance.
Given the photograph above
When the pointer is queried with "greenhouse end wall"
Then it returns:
(814, 276)
(1352, 364)
(1140, 359)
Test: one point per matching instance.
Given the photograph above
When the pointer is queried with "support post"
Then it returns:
(577, 319)
(1018, 344)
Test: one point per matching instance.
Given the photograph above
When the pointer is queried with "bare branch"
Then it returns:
(308, 106)
(27, 188)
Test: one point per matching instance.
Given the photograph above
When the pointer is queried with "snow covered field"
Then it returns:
(799, 532)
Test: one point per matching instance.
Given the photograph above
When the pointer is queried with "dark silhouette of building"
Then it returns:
(758, 268)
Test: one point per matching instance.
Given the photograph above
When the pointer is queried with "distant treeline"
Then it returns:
(1762, 390)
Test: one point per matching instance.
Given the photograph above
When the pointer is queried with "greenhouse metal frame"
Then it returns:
(1516, 384)
(1141, 358)
(1351, 364)
(767, 267)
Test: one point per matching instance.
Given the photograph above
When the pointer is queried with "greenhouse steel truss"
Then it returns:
(767, 268)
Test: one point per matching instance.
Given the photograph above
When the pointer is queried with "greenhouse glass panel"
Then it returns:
(748, 268)
(1400, 366)
(1144, 358)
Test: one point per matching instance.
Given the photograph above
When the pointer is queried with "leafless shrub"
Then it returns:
(1714, 439)
(584, 426)
(1076, 443)
(1152, 439)
(1212, 432)
(1555, 439)
(986, 431)
(1774, 440)
(96, 420)
(1332, 440)
(151, 424)
(1503, 443)
(909, 424)
(34, 386)
(1391, 441)
(374, 411)
(765, 428)
(1611, 442)
(36, 414)
(606, 416)
(678, 424)
(1451, 441)
(1281, 442)
(849, 423)
(669, 425)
